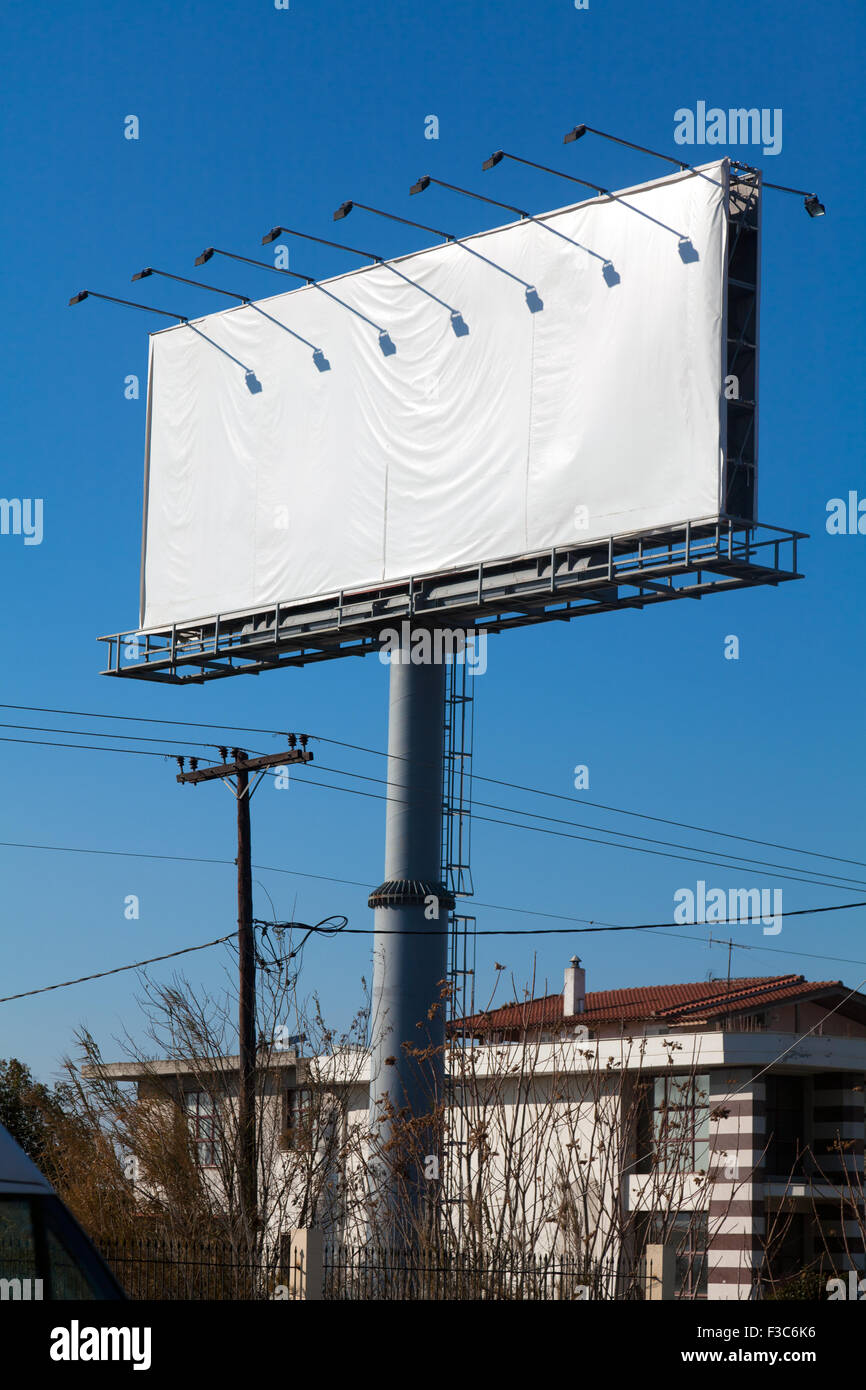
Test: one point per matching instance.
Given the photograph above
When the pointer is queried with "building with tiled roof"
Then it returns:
(769, 1001)
(719, 1122)
(771, 1076)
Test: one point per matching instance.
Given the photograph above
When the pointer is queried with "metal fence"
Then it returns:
(181, 1270)
(369, 1274)
(185, 1269)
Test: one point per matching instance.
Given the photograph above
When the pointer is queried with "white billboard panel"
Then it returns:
(550, 382)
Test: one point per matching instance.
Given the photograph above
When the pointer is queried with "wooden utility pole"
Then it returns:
(235, 775)
(246, 1003)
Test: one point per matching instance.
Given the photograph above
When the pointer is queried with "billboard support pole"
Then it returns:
(408, 1006)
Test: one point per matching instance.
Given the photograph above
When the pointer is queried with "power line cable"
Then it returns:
(616, 810)
(93, 748)
(586, 825)
(711, 858)
(101, 974)
(568, 931)
(335, 925)
(179, 858)
(381, 753)
(696, 849)
(765, 950)
(81, 733)
(593, 840)
(331, 878)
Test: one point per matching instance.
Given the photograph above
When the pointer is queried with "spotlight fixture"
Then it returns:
(289, 231)
(811, 201)
(130, 304)
(545, 169)
(247, 260)
(318, 355)
(457, 321)
(345, 208)
(814, 207)
(579, 131)
(149, 270)
(426, 180)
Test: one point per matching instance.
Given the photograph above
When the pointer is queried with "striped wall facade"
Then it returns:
(736, 1222)
(740, 1218)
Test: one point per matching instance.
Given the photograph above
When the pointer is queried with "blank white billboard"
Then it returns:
(551, 382)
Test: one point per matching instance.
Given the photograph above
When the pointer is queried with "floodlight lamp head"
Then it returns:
(143, 274)
(423, 182)
(205, 256)
(575, 134)
(77, 298)
(813, 206)
(494, 159)
(271, 235)
(343, 210)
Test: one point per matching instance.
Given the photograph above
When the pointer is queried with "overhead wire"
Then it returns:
(378, 752)
(325, 928)
(711, 857)
(118, 970)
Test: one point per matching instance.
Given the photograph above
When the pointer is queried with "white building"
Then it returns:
(725, 1118)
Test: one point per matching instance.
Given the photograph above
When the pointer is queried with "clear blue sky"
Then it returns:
(250, 116)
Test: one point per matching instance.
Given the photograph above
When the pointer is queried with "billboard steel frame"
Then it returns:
(741, 339)
(690, 560)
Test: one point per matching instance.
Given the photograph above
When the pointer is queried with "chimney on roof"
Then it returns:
(574, 993)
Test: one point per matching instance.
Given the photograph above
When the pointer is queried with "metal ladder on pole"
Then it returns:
(457, 876)
(457, 835)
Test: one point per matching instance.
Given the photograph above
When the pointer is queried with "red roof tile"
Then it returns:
(686, 1003)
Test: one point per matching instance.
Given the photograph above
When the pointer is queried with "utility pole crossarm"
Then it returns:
(209, 774)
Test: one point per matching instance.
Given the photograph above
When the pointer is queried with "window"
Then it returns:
(786, 1245)
(203, 1119)
(44, 1254)
(17, 1241)
(686, 1231)
(674, 1126)
(68, 1280)
(297, 1117)
(745, 1023)
(805, 1247)
(786, 1125)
